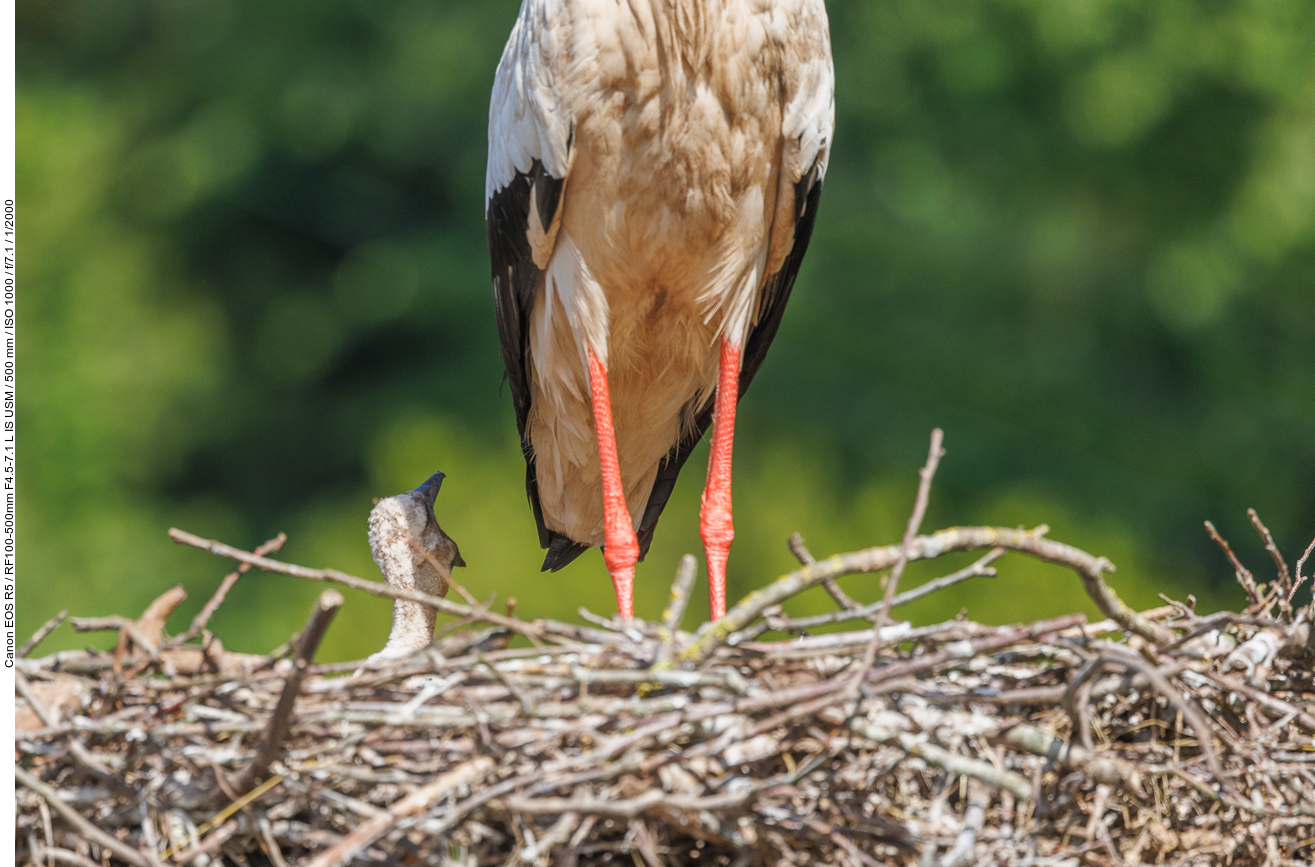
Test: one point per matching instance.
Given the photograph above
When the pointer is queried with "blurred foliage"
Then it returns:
(1078, 234)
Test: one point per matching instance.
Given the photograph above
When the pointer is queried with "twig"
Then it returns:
(1090, 569)
(67, 857)
(1276, 704)
(83, 827)
(40, 635)
(113, 623)
(375, 588)
(961, 650)
(217, 822)
(147, 631)
(918, 746)
(1074, 757)
(644, 844)
(1300, 563)
(961, 853)
(1205, 733)
(213, 841)
(1284, 577)
(558, 834)
(882, 616)
(1244, 576)
(925, 476)
(271, 842)
(24, 690)
(77, 748)
(681, 588)
(979, 568)
(208, 610)
(805, 558)
(325, 607)
(418, 801)
(800, 550)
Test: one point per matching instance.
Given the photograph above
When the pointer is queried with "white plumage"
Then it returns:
(652, 179)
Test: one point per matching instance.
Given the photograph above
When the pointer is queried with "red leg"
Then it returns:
(715, 524)
(620, 547)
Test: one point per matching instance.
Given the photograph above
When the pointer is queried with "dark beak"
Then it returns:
(429, 490)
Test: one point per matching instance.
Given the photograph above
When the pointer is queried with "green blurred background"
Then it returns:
(1077, 234)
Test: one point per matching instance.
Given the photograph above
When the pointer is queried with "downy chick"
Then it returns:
(402, 531)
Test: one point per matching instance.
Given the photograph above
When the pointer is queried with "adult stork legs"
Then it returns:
(715, 524)
(621, 546)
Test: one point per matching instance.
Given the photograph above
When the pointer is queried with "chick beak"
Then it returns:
(428, 492)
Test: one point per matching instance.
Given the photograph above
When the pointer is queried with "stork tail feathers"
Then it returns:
(561, 552)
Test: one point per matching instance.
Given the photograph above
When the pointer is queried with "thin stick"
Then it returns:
(805, 558)
(1261, 697)
(208, 610)
(557, 835)
(81, 825)
(77, 748)
(1074, 757)
(681, 588)
(1244, 576)
(67, 857)
(1089, 568)
(325, 607)
(1300, 563)
(1284, 577)
(24, 690)
(925, 476)
(800, 550)
(375, 588)
(918, 746)
(217, 838)
(418, 801)
(979, 568)
(114, 623)
(1205, 733)
(989, 643)
(40, 635)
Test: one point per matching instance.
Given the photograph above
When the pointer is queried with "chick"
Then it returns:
(403, 531)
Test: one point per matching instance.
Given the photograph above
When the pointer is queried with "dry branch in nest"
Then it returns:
(1159, 736)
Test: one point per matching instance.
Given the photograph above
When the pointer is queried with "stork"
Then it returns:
(653, 174)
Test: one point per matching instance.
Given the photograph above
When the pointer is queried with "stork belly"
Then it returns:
(662, 364)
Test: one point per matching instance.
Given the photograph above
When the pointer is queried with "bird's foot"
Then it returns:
(717, 558)
(717, 530)
(621, 561)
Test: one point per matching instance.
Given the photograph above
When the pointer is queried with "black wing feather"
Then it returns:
(515, 279)
(776, 292)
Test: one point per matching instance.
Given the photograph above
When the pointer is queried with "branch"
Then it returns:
(1244, 576)
(418, 801)
(89, 831)
(1090, 569)
(675, 611)
(40, 635)
(917, 746)
(1302, 562)
(925, 475)
(325, 607)
(1074, 757)
(805, 558)
(375, 588)
(208, 610)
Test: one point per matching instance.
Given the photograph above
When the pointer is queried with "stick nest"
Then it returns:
(1150, 737)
